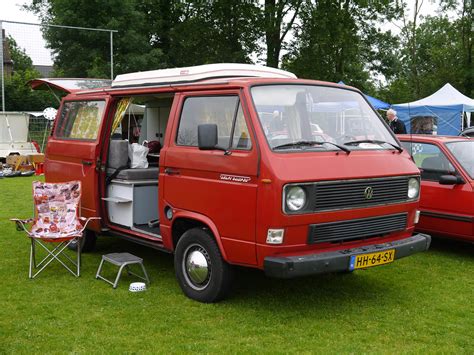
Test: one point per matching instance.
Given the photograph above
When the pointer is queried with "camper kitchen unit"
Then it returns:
(246, 165)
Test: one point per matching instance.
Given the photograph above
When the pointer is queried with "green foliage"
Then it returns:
(434, 52)
(276, 28)
(81, 53)
(340, 41)
(20, 59)
(417, 305)
(331, 40)
(18, 94)
(214, 32)
(152, 34)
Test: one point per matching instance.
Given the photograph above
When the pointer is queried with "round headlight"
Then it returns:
(413, 188)
(295, 198)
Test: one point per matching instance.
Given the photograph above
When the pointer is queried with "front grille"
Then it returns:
(352, 193)
(356, 228)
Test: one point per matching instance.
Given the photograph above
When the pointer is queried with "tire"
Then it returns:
(87, 242)
(209, 283)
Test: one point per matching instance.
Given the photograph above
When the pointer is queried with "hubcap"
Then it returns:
(197, 267)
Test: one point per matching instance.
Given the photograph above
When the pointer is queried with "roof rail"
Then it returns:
(198, 73)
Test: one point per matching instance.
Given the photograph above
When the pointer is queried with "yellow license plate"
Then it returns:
(363, 261)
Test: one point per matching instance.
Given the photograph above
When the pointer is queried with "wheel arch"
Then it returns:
(184, 221)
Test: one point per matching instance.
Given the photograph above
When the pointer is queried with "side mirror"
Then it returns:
(207, 136)
(450, 180)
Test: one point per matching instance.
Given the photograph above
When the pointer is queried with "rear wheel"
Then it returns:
(202, 273)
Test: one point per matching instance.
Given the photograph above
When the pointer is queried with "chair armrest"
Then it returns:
(21, 224)
(29, 220)
(87, 220)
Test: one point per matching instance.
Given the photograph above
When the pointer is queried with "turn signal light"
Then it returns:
(275, 236)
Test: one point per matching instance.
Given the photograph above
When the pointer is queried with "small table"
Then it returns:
(123, 260)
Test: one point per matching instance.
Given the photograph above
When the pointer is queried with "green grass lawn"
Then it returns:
(424, 303)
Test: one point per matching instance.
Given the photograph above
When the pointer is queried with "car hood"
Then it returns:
(318, 166)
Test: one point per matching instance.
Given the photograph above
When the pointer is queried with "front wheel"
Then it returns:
(202, 273)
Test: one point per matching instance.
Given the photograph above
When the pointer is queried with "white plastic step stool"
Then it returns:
(123, 260)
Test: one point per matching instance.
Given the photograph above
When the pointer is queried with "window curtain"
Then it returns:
(120, 113)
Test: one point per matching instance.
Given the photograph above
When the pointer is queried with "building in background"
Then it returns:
(45, 71)
(7, 59)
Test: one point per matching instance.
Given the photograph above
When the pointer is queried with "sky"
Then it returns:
(30, 39)
(27, 37)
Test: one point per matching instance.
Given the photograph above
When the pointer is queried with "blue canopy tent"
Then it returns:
(440, 113)
(376, 103)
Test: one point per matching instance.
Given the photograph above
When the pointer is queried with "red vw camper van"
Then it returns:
(247, 165)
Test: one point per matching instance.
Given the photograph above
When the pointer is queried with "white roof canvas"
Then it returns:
(446, 96)
(196, 73)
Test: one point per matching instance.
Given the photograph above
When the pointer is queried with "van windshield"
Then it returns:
(309, 117)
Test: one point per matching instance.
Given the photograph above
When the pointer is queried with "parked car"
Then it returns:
(447, 184)
(257, 168)
(468, 132)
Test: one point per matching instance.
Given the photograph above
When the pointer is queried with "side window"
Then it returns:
(80, 120)
(430, 160)
(224, 111)
(211, 109)
(241, 138)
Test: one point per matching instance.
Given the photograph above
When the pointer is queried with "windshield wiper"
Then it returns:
(374, 141)
(310, 144)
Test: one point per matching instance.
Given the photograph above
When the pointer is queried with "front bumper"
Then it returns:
(287, 267)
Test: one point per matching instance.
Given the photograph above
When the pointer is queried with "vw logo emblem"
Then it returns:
(368, 192)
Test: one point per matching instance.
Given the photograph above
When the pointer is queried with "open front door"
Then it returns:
(73, 149)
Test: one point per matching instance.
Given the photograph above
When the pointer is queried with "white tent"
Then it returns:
(447, 106)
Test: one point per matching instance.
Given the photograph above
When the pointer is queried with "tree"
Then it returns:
(215, 32)
(340, 40)
(466, 28)
(82, 53)
(440, 53)
(18, 94)
(152, 34)
(276, 29)
(409, 34)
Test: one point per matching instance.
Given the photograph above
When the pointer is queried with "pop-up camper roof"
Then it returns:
(197, 73)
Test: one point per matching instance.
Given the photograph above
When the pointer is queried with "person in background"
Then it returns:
(397, 126)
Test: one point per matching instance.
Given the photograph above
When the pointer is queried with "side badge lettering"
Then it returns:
(235, 178)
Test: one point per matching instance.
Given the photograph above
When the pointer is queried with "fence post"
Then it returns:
(111, 55)
(2, 74)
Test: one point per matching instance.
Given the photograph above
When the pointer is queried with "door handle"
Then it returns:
(170, 171)
(87, 163)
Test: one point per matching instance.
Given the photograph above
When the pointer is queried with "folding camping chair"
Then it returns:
(56, 225)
